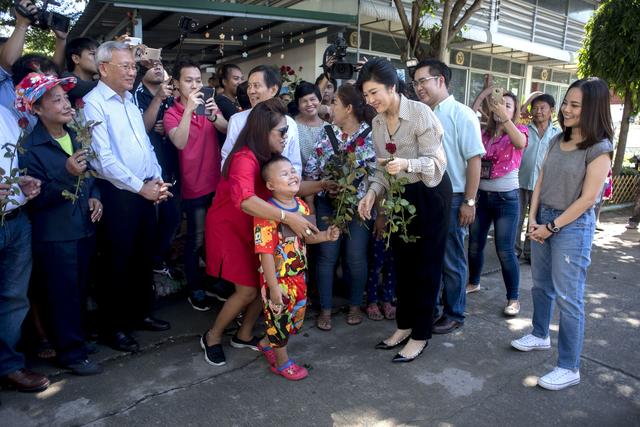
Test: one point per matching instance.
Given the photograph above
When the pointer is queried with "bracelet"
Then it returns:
(282, 215)
(215, 117)
(548, 228)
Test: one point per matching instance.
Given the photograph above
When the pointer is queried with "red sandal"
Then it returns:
(268, 354)
(291, 371)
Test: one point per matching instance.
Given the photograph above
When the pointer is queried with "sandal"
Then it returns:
(373, 312)
(44, 350)
(323, 322)
(389, 310)
(354, 316)
(291, 371)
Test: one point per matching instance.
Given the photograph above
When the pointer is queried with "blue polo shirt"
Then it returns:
(462, 139)
(534, 153)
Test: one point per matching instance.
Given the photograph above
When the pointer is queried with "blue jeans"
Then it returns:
(196, 212)
(355, 253)
(15, 270)
(503, 209)
(559, 271)
(454, 270)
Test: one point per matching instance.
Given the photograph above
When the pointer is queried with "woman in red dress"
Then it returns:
(229, 240)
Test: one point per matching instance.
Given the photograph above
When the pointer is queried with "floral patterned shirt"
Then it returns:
(504, 155)
(362, 147)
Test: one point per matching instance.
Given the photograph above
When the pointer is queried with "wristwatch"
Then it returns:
(552, 227)
(470, 202)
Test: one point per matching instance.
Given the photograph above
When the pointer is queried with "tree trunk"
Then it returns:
(444, 30)
(622, 137)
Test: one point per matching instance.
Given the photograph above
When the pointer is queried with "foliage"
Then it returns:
(12, 177)
(611, 51)
(425, 42)
(83, 129)
(343, 169)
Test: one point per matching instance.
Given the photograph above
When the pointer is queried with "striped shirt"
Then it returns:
(418, 139)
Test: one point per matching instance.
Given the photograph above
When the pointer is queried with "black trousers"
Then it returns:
(127, 237)
(61, 272)
(419, 264)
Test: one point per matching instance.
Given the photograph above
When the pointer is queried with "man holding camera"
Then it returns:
(130, 185)
(191, 124)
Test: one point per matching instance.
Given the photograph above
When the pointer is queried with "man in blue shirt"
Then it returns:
(463, 147)
(541, 132)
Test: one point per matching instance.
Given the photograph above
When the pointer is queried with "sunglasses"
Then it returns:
(283, 131)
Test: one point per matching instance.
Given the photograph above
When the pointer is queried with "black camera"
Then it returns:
(187, 25)
(44, 19)
(341, 69)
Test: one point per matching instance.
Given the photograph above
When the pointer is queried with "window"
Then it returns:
(580, 10)
(515, 87)
(559, 6)
(500, 65)
(481, 61)
(458, 84)
(517, 69)
(560, 77)
(476, 85)
(502, 82)
(386, 44)
(541, 73)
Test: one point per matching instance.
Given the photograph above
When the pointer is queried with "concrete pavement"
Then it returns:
(469, 378)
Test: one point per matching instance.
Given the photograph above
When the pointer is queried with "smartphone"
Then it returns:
(497, 95)
(207, 93)
(151, 54)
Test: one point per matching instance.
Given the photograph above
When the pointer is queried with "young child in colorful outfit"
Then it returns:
(283, 263)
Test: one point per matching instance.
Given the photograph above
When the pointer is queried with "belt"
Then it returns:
(13, 213)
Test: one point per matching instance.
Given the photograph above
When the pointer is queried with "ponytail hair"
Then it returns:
(350, 95)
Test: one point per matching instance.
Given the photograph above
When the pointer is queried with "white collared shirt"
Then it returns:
(291, 147)
(10, 134)
(124, 154)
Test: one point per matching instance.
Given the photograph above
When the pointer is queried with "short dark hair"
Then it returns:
(224, 72)
(32, 63)
(303, 89)
(436, 68)
(181, 64)
(275, 158)
(380, 70)
(76, 47)
(331, 80)
(595, 115)
(255, 134)
(350, 95)
(545, 97)
(242, 97)
(270, 75)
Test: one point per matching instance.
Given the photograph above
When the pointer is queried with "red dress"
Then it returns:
(229, 238)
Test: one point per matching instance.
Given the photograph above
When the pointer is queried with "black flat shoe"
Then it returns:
(384, 346)
(153, 324)
(398, 358)
(123, 342)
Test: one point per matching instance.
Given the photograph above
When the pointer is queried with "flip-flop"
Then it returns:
(373, 312)
(44, 350)
(323, 322)
(354, 318)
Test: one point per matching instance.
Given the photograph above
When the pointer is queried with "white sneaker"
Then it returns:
(531, 342)
(559, 378)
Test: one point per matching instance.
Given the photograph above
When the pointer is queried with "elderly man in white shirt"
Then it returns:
(130, 184)
(264, 83)
(15, 261)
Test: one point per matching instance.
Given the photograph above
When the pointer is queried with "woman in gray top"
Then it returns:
(562, 224)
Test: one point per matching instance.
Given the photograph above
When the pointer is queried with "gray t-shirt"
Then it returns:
(564, 172)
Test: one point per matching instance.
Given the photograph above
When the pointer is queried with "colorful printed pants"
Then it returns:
(289, 321)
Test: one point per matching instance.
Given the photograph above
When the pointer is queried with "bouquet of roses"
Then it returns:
(289, 77)
(12, 176)
(344, 169)
(398, 211)
(83, 129)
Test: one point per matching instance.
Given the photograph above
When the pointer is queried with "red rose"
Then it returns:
(291, 72)
(319, 151)
(79, 103)
(351, 149)
(300, 68)
(23, 122)
(283, 69)
(360, 142)
(390, 147)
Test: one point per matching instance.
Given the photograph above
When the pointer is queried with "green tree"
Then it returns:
(425, 42)
(611, 51)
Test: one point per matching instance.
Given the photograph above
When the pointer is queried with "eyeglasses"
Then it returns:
(423, 81)
(283, 131)
(124, 67)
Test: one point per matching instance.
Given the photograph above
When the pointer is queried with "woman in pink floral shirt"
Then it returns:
(498, 202)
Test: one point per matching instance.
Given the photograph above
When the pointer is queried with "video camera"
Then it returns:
(341, 69)
(45, 19)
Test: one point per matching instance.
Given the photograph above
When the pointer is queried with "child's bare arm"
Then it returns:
(331, 234)
(269, 271)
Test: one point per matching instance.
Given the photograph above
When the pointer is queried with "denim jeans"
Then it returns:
(451, 301)
(355, 253)
(15, 270)
(503, 209)
(196, 212)
(559, 272)
(525, 201)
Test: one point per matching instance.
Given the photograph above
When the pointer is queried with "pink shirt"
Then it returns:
(200, 158)
(502, 153)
